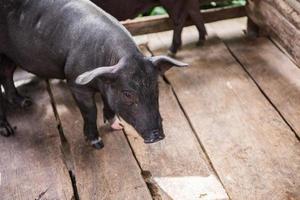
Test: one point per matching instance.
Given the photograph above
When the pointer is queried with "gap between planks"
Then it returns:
(65, 147)
(145, 174)
(32, 154)
(237, 32)
(263, 92)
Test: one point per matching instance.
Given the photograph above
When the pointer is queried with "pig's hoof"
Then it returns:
(5, 129)
(171, 53)
(26, 102)
(20, 101)
(97, 143)
(201, 42)
(252, 34)
(116, 124)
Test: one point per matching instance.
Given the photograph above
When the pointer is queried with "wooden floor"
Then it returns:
(232, 124)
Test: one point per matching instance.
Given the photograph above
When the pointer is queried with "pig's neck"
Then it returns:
(117, 52)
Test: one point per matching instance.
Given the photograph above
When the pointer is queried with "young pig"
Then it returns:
(77, 41)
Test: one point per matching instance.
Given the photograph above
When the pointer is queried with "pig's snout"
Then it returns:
(154, 136)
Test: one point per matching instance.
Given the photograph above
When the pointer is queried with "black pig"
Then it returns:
(178, 10)
(77, 41)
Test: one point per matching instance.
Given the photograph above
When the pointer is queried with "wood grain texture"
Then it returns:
(280, 20)
(31, 164)
(110, 173)
(254, 152)
(275, 73)
(178, 155)
(289, 9)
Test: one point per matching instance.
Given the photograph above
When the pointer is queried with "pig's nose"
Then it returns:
(155, 136)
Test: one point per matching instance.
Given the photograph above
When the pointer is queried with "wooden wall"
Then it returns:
(280, 19)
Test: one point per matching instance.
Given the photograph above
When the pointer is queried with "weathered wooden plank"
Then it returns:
(289, 9)
(276, 75)
(109, 173)
(284, 27)
(153, 24)
(31, 165)
(254, 152)
(177, 161)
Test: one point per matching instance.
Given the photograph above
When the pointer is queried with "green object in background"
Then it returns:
(225, 3)
(158, 11)
(239, 2)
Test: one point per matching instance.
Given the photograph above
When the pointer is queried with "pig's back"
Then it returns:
(43, 32)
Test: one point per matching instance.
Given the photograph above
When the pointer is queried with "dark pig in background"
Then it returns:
(77, 41)
(178, 10)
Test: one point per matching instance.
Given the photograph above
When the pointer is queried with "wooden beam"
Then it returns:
(161, 23)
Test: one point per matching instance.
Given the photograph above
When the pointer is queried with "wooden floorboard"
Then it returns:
(274, 72)
(252, 149)
(109, 173)
(31, 164)
(176, 166)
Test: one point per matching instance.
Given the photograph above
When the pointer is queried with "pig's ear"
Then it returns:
(164, 63)
(105, 72)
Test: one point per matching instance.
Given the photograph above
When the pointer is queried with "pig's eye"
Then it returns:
(128, 97)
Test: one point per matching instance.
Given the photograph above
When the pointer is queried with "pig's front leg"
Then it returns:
(5, 128)
(110, 116)
(7, 70)
(85, 99)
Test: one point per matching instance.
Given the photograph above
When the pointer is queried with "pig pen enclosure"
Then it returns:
(231, 119)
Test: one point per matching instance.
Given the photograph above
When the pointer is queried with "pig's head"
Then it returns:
(131, 89)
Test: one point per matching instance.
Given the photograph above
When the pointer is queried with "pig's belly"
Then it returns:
(40, 66)
(40, 56)
(39, 62)
(44, 69)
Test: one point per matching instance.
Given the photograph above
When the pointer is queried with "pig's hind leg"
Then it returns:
(178, 27)
(85, 99)
(194, 12)
(178, 15)
(12, 95)
(110, 116)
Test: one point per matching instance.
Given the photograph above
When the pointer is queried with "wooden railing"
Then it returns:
(153, 24)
